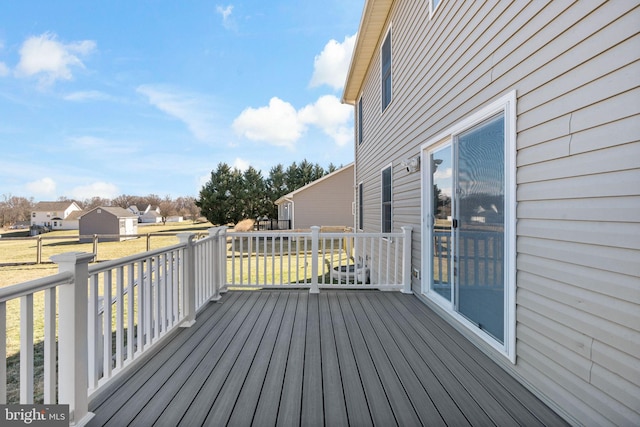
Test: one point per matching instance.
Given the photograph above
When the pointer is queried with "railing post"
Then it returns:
(73, 369)
(95, 246)
(39, 250)
(406, 260)
(219, 259)
(315, 236)
(189, 285)
(223, 259)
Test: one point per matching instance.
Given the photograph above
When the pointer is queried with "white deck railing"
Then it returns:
(317, 259)
(110, 313)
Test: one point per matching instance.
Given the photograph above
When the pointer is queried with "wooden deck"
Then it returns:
(338, 358)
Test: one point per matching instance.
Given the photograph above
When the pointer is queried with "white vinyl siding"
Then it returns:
(575, 70)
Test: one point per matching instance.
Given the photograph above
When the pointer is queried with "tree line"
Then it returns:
(232, 195)
(228, 197)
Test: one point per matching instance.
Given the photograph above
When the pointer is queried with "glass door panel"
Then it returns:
(479, 210)
(440, 192)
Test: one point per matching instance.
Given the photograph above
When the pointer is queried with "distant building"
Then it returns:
(326, 201)
(150, 214)
(56, 215)
(108, 220)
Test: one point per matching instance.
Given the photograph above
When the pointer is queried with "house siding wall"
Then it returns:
(327, 203)
(574, 67)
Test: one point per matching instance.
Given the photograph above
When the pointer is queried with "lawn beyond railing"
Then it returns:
(109, 314)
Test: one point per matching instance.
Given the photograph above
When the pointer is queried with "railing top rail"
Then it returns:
(272, 233)
(40, 284)
(107, 265)
(336, 235)
(325, 234)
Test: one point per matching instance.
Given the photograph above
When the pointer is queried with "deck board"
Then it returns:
(335, 358)
(335, 410)
(358, 412)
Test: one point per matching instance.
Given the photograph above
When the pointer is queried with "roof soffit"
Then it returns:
(372, 24)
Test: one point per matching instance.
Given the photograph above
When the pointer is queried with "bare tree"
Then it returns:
(14, 209)
(167, 208)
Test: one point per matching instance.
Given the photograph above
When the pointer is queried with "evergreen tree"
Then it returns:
(219, 201)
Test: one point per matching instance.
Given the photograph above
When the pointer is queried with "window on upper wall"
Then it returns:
(360, 121)
(360, 224)
(386, 71)
(386, 200)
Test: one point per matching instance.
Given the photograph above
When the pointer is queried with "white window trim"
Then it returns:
(506, 104)
(388, 166)
(386, 34)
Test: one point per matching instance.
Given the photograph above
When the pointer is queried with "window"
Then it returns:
(360, 224)
(469, 221)
(360, 121)
(386, 71)
(386, 200)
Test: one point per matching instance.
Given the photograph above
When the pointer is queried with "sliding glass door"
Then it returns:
(466, 198)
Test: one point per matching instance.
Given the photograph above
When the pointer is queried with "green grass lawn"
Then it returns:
(17, 265)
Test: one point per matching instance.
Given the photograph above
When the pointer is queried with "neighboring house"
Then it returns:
(327, 201)
(506, 134)
(55, 215)
(134, 210)
(148, 215)
(108, 220)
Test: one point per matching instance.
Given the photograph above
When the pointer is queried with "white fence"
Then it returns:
(108, 314)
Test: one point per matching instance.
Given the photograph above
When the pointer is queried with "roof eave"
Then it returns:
(372, 24)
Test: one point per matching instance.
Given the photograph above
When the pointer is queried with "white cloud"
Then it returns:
(189, 108)
(42, 187)
(241, 164)
(89, 95)
(281, 125)
(331, 116)
(227, 22)
(44, 56)
(330, 67)
(276, 123)
(96, 189)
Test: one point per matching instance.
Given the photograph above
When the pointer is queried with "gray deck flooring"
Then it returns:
(338, 358)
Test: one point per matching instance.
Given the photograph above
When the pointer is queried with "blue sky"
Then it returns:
(103, 98)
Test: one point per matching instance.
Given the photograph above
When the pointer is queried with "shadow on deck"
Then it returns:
(337, 358)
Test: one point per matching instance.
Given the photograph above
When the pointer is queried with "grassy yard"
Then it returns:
(18, 257)
(17, 265)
